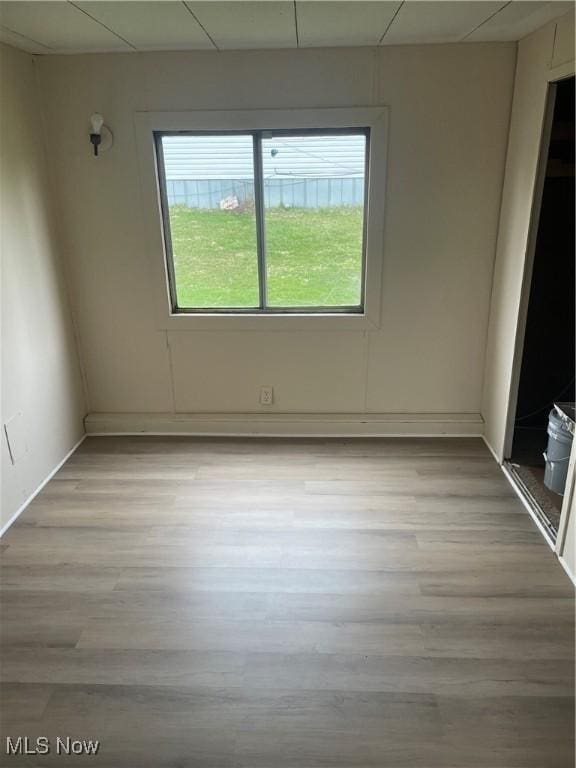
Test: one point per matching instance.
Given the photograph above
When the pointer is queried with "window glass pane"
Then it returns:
(210, 194)
(314, 210)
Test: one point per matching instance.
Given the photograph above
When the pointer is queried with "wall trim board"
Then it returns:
(564, 564)
(288, 424)
(44, 482)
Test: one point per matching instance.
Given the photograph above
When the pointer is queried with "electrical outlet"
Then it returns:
(266, 395)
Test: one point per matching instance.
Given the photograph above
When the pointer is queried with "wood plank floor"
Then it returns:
(203, 603)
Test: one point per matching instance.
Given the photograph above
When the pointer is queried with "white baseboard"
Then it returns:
(288, 424)
(46, 480)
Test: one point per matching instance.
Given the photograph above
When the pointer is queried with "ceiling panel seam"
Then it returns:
(102, 25)
(391, 22)
(197, 20)
(486, 20)
(26, 37)
(296, 25)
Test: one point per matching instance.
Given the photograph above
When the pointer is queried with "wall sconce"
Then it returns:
(100, 136)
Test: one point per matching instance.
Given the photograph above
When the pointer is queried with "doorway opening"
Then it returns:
(546, 381)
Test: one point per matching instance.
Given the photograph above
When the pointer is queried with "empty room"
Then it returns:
(287, 384)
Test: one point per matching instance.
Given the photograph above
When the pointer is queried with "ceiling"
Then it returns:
(102, 26)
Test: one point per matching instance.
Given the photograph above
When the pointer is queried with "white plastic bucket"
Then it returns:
(557, 454)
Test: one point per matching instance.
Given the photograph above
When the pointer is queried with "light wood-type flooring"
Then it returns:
(244, 603)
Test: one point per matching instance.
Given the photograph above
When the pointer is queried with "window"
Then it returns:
(264, 221)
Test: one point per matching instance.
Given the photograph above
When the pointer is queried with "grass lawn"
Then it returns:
(314, 257)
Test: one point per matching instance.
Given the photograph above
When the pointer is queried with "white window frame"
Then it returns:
(373, 118)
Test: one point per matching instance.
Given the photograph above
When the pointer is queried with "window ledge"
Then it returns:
(242, 321)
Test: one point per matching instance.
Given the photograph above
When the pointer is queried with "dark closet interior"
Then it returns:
(547, 369)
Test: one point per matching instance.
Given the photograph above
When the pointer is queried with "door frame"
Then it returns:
(529, 268)
(554, 77)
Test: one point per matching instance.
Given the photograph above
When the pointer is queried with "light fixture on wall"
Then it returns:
(100, 135)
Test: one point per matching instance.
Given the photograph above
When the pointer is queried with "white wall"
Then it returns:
(40, 371)
(449, 115)
(542, 55)
(568, 553)
(566, 542)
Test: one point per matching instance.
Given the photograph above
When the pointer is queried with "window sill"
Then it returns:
(281, 321)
